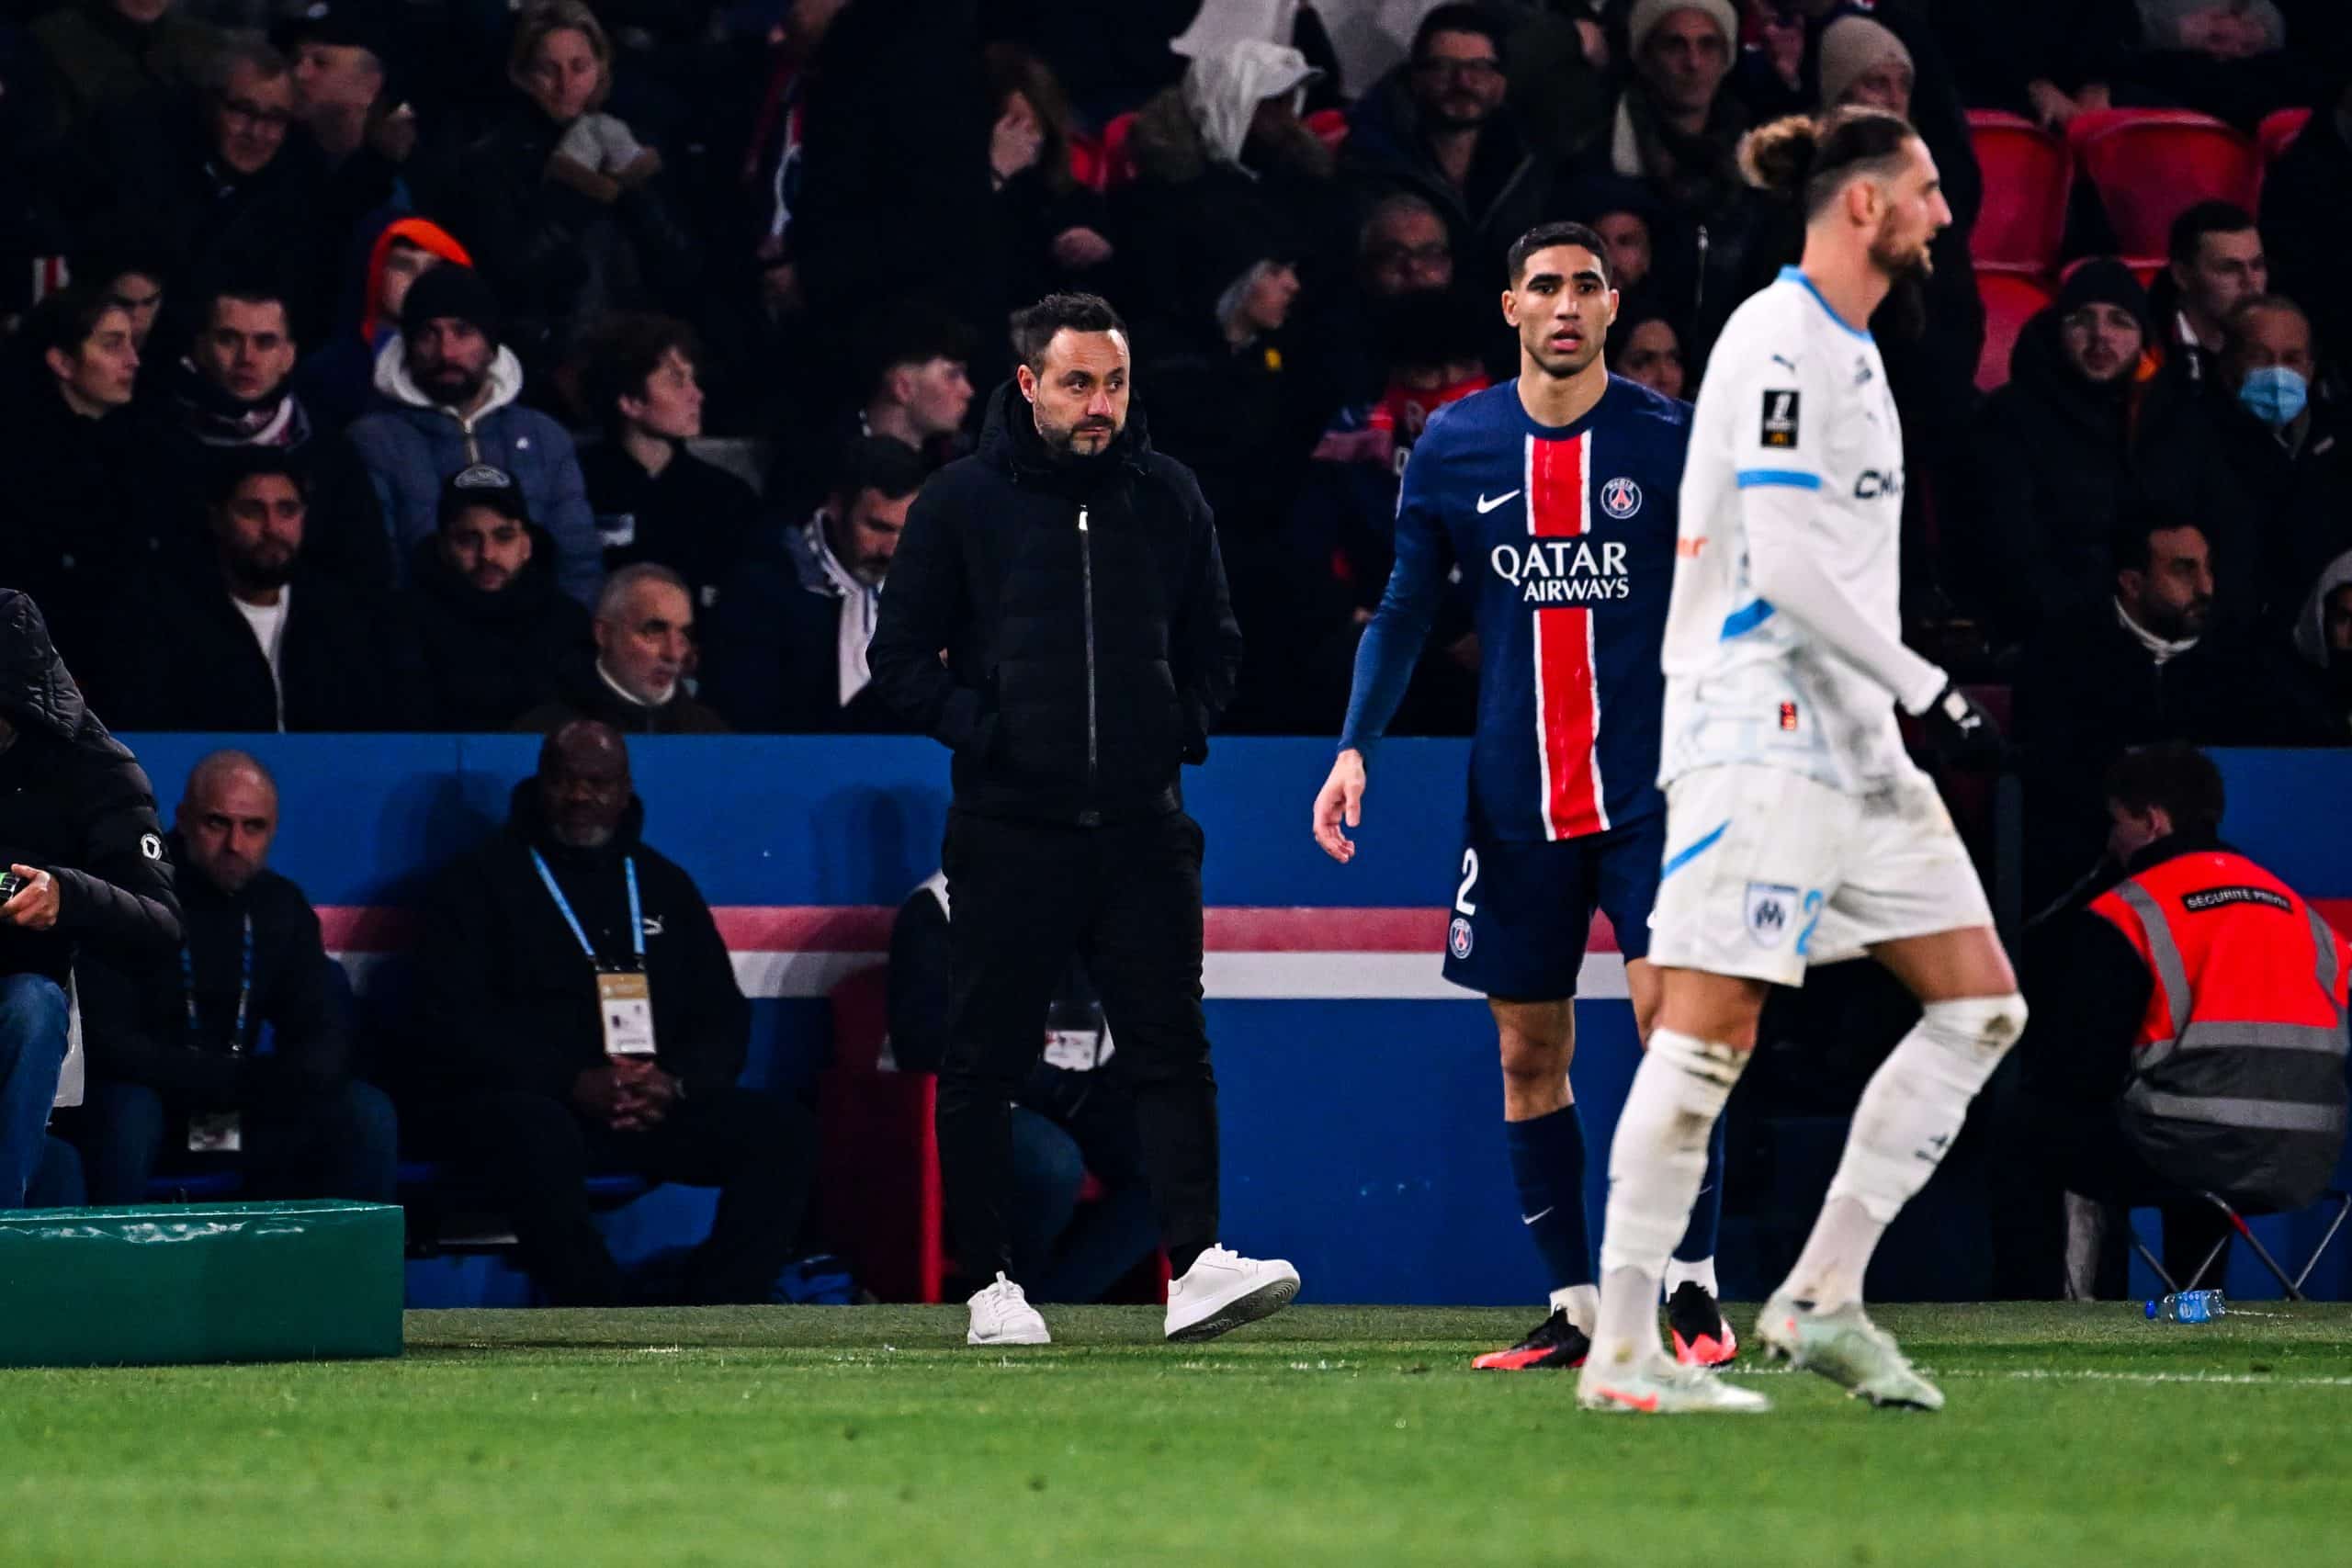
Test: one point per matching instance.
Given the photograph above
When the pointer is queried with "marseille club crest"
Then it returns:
(1772, 912)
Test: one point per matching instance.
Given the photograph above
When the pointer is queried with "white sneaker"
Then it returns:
(1651, 1385)
(1002, 1315)
(1223, 1290)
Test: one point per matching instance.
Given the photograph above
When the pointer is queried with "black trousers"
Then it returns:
(534, 1155)
(1025, 898)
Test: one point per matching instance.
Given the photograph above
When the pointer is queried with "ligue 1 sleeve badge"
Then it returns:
(1457, 936)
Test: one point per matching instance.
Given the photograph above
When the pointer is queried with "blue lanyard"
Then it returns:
(563, 908)
(244, 993)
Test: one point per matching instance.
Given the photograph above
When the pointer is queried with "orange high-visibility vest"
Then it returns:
(2237, 1075)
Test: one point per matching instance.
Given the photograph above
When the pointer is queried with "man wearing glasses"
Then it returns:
(1436, 126)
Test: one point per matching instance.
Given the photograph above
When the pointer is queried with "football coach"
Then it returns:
(1057, 616)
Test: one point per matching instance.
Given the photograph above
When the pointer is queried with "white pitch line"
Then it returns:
(2050, 1375)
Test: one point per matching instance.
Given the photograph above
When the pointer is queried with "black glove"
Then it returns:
(1959, 731)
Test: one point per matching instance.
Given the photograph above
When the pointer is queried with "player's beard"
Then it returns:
(1906, 293)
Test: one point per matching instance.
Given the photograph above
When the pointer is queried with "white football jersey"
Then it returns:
(1794, 445)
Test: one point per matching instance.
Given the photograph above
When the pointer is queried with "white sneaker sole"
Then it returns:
(973, 1337)
(1249, 1307)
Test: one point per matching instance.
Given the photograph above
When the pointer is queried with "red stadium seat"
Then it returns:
(2277, 131)
(2027, 173)
(1118, 164)
(2010, 301)
(2150, 164)
(1089, 165)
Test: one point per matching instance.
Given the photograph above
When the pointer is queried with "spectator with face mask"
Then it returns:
(447, 393)
(2058, 456)
(2290, 451)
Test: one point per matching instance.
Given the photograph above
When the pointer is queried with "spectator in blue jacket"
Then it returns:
(445, 400)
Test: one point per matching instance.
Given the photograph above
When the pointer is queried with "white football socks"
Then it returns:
(1655, 1163)
(1909, 1114)
(1701, 1273)
(1581, 1302)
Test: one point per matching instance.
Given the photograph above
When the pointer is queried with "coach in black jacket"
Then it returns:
(77, 821)
(1071, 576)
(509, 1072)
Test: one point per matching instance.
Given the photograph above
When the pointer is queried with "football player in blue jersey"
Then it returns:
(1555, 496)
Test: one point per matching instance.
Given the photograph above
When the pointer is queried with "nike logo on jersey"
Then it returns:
(1782, 360)
(1485, 506)
(1531, 1219)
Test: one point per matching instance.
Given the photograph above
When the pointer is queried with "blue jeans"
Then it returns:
(342, 1143)
(32, 1052)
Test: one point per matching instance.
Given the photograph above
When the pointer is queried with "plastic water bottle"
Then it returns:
(2189, 1306)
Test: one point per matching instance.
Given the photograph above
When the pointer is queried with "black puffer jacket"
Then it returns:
(1085, 664)
(74, 803)
(489, 659)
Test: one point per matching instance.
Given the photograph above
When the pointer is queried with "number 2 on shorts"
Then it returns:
(1461, 904)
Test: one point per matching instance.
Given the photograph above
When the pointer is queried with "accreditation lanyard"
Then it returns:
(244, 993)
(563, 908)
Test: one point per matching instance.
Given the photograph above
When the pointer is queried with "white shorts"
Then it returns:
(1768, 872)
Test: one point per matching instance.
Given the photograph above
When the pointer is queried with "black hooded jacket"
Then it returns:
(505, 1001)
(74, 803)
(2057, 463)
(1090, 643)
(489, 659)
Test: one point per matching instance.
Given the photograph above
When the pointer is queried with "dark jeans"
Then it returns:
(533, 1155)
(33, 1051)
(1127, 899)
(1067, 1125)
(340, 1144)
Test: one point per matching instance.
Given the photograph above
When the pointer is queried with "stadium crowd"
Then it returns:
(443, 364)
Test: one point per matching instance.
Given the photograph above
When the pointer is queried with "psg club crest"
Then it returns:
(1772, 912)
(1457, 936)
(1621, 497)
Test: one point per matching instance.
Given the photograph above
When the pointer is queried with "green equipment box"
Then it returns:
(193, 1283)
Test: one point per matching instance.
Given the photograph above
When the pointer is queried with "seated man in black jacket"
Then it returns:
(787, 643)
(576, 1011)
(497, 634)
(264, 640)
(78, 830)
(243, 1045)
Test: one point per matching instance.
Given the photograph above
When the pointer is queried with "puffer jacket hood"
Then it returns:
(37, 692)
(2311, 625)
(1169, 146)
(393, 381)
(1008, 440)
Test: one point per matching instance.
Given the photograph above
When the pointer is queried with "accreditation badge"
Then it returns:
(625, 1001)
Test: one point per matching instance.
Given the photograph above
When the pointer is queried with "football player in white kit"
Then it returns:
(1798, 830)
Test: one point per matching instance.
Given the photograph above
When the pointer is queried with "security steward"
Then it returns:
(1057, 617)
(2191, 1028)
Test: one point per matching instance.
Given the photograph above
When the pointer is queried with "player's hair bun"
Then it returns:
(1778, 156)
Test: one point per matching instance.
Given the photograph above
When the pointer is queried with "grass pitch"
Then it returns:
(2080, 1436)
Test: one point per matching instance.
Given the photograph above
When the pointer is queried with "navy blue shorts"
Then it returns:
(1523, 910)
